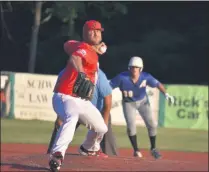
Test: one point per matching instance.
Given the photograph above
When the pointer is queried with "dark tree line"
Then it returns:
(171, 37)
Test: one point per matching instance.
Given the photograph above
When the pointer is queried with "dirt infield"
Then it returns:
(27, 157)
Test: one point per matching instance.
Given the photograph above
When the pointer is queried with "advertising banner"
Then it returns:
(33, 96)
(33, 99)
(190, 109)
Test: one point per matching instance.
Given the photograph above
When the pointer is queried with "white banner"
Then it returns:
(117, 115)
(33, 99)
(33, 96)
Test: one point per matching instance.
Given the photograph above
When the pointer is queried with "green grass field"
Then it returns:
(23, 131)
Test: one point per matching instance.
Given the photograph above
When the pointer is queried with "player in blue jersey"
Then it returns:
(132, 84)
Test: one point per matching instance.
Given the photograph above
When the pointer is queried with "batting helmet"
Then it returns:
(136, 61)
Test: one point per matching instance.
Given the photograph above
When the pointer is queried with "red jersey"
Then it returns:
(89, 60)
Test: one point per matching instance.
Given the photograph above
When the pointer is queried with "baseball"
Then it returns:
(103, 49)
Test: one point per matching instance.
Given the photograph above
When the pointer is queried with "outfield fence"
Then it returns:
(28, 96)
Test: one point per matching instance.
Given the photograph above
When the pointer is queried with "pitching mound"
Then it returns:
(23, 157)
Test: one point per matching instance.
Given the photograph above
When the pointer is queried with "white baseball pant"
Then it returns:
(70, 110)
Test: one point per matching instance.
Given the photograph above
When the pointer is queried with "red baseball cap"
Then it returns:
(93, 25)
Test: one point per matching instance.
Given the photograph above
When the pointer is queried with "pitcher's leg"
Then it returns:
(94, 121)
(65, 135)
(69, 116)
(57, 125)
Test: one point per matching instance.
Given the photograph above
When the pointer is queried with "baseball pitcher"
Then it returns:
(132, 84)
(73, 92)
(102, 100)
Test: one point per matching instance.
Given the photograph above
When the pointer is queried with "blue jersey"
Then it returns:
(133, 91)
(102, 89)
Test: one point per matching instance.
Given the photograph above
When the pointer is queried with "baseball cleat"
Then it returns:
(137, 154)
(101, 154)
(55, 161)
(155, 153)
(85, 152)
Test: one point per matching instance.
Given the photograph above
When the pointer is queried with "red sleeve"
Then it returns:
(80, 52)
(70, 46)
(67, 48)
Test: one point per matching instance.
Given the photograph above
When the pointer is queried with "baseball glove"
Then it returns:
(83, 87)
